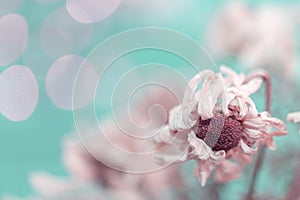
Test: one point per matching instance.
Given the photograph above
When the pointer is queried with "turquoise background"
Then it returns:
(35, 144)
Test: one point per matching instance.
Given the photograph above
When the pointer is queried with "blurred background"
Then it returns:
(44, 42)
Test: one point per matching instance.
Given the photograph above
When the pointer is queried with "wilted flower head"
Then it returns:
(218, 125)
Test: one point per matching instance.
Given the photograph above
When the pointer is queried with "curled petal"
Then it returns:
(227, 98)
(233, 77)
(211, 90)
(252, 86)
(217, 157)
(274, 122)
(176, 121)
(253, 133)
(199, 147)
(171, 147)
(190, 100)
(253, 123)
(243, 107)
(247, 149)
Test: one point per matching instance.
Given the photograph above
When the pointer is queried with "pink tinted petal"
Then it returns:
(189, 93)
(190, 100)
(253, 133)
(234, 97)
(253, 123)
(211, 90)
(243, 108)
(228, 96)
(199, 148)
(232, 76)
(171, 147)
(164, 136)
(176, 121)
(218, 156)
(295, 117)
(269, 142)
(247, 149)
(276, 123)
(252, 86)
(227, 171)
(239, 155)
(203, 171)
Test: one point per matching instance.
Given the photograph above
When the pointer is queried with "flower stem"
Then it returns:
(262, 152)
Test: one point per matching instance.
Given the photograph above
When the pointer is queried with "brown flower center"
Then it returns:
(220, 132)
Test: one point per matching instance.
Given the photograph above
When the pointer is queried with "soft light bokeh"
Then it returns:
(43, 44)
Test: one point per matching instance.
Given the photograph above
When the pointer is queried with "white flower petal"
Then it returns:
(274, 122)
(176, 121)
(190, 100)
(253, 123)
(211, 90)
(236, 79)
(164, 136)
(218, 156)
(243, 108)
(200, 148)
(247, 149)
(252, 86)
(227, 98)
(253, 133)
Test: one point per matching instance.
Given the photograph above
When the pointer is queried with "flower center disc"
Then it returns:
(220, 132)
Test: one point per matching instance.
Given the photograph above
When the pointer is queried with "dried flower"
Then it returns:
(218, 125)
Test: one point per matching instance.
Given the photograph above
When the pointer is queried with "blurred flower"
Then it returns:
(259, 37)
(218, 125)
(96, 179)
(294, 116)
